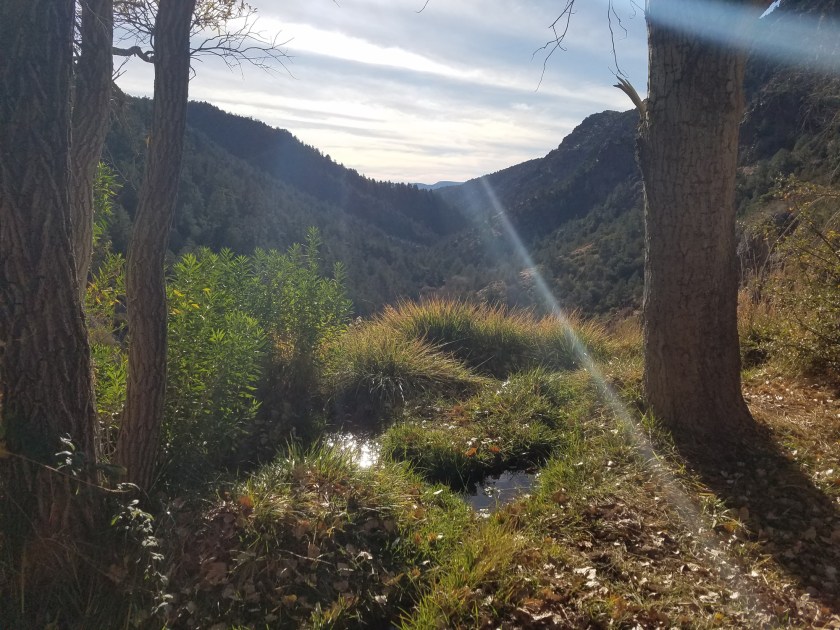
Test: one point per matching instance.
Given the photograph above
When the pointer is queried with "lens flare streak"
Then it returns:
(728, 570)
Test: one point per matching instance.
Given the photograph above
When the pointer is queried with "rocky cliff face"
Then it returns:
(580, 174)
(578, 209)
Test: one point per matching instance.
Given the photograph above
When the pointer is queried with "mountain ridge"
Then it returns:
(577, 210)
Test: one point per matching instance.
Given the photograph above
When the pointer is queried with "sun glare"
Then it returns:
(626, 421)
(797, 42)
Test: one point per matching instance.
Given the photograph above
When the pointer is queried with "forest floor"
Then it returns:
(619, 529)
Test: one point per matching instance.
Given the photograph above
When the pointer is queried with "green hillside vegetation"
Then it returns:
(578, 210)
(225, 201)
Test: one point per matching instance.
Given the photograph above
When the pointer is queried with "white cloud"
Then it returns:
(449, 93)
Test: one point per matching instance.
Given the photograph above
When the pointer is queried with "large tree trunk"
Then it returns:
(137, 445)
(91, 105)
(45, 376)
(688, 149)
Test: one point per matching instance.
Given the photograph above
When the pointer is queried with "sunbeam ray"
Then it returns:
(728, 569)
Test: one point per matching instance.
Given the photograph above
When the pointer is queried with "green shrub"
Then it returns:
(110, 369)
(295, 303)
(238, 327)
(105, 188)
(105, 314)
(214, 361)
(302, 311)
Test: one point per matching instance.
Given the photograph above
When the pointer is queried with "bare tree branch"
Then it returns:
(611, 13)
(223, 28)
(552, 45)
(560, 28)
(135, 51)
(244, 44)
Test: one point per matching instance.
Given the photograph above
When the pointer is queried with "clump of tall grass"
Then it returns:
(791, 310)
(496, 340)
(373, 366)
(478, 582)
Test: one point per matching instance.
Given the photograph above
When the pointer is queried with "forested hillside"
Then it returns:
(245, 185)
(578, 210)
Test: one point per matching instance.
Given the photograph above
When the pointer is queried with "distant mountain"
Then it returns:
(575, 214)
(438, 185)
(399, 209)
(246, 185)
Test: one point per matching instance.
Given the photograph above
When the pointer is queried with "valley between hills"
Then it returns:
(392, 405)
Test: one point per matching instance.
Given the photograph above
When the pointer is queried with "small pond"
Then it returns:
(496, 491)
(484, 497)
(364, 449)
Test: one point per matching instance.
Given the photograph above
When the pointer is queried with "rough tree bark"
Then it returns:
(688, 149)
(91, 104)
(138, 441)
(45, 376)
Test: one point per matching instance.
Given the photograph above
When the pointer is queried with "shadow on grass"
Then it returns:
(786, 514)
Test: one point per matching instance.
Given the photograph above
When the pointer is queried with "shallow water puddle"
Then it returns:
(494, 492)
(363, 449)
(484, 497)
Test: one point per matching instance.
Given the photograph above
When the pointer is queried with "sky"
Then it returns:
(404, 93)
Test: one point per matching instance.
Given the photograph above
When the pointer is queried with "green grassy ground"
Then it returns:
(611, 534)
(618, 530)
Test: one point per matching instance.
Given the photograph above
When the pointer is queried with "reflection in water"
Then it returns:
(484, 497)
(494, 492)
(363, 449)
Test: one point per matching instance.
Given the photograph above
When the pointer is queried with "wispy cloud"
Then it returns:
(447, 93)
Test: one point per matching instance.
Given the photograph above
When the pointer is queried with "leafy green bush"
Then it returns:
(298, 306)
(242, 331)
(105, 188)
(302, 311)
(214, 361)
(105, 314)
(110, 369)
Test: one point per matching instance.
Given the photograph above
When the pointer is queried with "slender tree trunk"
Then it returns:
(688, 154)
(91, 105)
(45, 377)
(138, 442)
